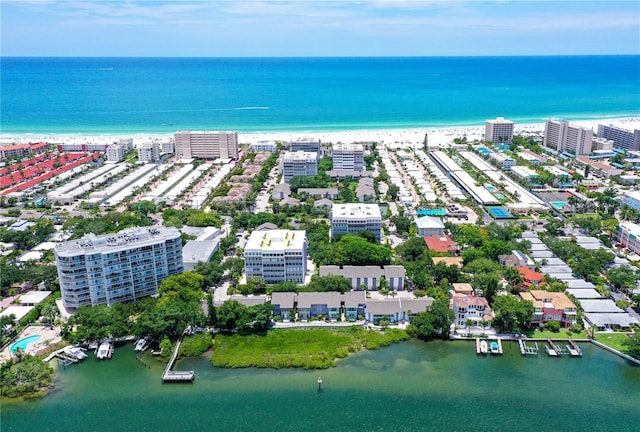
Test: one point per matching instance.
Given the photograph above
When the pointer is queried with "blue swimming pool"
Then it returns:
(499, 196)
(499, 213)
(491, 188)
(24, 342)
(558, 204)
(431, 212)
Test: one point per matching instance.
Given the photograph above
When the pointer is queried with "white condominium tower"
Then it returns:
(206, 145)
(347, 157)
(562, 136)
(306, 145)
(353, 218)
(498, 130)
(622, 139)
(299, 163)
(117, 268)
(276, 256)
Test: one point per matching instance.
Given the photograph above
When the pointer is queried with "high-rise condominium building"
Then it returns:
(347, 157)
(353, 218)
(498, 130)
(276, 256)
(149, 152)
(306, 145)
(622, 139)
(117, 268)
(299, 163)
(115, 153)
(206, 145)
(565, 137)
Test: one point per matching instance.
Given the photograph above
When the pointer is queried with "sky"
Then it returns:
(245, 28)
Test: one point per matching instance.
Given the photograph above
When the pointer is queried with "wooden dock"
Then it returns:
(500, 351)
(176, 376)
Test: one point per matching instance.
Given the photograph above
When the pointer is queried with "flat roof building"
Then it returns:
(206, 145)
(347, 157)
(622, 139)
(353, 218)
(307, 145)
(565, 137)
(498, 130)
(276, 256)
(117, 268)
(149, 152)
(300, 163)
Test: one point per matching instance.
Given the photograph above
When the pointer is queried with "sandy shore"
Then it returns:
(391, 137)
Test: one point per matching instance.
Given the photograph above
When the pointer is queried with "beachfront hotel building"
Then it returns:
(565, 137)
(347, 157)
(116, 152)
(300, 163)
(117, 268)
(622, 139)
(206, 145)
(306, 145)
(353, 218)
(264, 146)
(498, 130)
(276, 256)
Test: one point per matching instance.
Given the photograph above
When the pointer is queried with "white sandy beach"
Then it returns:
(390, 137)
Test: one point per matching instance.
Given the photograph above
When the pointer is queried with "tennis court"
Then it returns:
(499, 213)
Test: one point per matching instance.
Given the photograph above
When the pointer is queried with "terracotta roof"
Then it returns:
(442, 243)
(530, 275)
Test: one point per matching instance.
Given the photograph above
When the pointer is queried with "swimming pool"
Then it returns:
(24, 342)
(491, 188)
(499, 196)
(558, 204)
(431, 212)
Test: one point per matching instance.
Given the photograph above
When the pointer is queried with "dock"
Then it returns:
(477, 345)
(176, 376)
(528, 350)
(550, 351)
(500, 351)
(574, 349)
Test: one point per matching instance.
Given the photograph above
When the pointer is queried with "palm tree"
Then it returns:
(468, 323)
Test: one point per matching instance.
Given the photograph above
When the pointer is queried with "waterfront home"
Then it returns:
(354, 304)
(395, 310)
(551, 306)
(283, 304)
(474, 308)
(315, 304)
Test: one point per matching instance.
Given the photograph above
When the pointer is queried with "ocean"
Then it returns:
(161, 95)
(411, 386)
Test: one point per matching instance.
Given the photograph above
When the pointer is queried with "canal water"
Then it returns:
(412, 386)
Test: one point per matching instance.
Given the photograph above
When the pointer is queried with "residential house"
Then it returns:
(442, 243)
(283, 304)
(395, 310)
(313, 304)
(354, 304)
(281, 191)
(474, 308)
(530, 277)
(449, 261)
(516, 259)
(429, 226)
(551, 306)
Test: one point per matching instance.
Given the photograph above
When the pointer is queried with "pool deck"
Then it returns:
(48, 337)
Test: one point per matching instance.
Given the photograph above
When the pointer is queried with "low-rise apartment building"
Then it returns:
(276, 256)
(354, 218)
(368, 277)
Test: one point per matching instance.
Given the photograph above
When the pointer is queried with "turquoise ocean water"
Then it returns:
(161, 95)
(412, 386)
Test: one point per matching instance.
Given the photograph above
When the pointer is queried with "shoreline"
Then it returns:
(437, 135)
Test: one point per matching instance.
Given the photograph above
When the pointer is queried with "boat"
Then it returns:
(484, 348)
(75, 352)
(495, 348)
(141, 345)
(105, 350)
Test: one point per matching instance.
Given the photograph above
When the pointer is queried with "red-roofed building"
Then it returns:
(442, 243)
(530, 277)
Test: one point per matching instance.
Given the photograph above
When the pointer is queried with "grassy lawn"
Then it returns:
(304, 348)
(562, 334)
(613, 340)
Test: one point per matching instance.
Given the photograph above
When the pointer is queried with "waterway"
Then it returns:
(412, 386)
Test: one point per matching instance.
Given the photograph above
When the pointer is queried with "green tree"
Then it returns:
(512, 315)
(436, 320)
(212, 317)
(632, 345)
(623, 277)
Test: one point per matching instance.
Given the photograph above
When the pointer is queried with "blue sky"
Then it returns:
(317, 28)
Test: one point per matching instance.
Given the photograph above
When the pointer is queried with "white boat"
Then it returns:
(140, 345)
(104, 350)
(484, 348)
(75, 352)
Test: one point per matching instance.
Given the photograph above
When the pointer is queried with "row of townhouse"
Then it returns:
(368, 277)
(352, 305)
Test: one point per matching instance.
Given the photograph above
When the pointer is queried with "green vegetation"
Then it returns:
(436, 322)
(512, 314)
(562, 334)
(191, 217)
(110, 222)
(303, 348)
(617, 341)
(29, 377)
(195, 345)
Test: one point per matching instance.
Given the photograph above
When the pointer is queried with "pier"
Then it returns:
(574, 349)
(176, 376)
(524, 349)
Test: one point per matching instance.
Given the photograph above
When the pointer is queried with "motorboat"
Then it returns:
(105, 350)
(495, 348)
(484, 347)
(141, 344)
(75, 352)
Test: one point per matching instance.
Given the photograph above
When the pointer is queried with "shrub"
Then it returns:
(553, 326)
